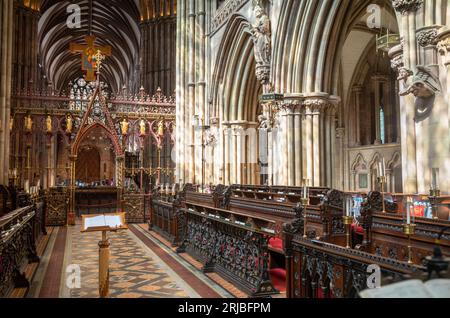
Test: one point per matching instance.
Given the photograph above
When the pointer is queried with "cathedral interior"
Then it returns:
(224, 148)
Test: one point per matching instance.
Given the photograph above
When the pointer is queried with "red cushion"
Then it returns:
(278, 278)
(357, 228)
(276, 243)
(320, 293)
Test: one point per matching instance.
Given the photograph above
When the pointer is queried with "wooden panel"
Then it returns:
(88, 166)
(57, 200)
(134, 205)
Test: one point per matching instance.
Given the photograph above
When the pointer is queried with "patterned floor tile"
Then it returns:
(133, 272)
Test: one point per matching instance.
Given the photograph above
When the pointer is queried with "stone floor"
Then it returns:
(140, 267)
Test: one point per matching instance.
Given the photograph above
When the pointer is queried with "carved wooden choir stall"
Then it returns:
(308, 250)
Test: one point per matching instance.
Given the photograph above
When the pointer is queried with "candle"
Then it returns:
(383, 167)
(408, 211)
(305, 189)
(349, 206)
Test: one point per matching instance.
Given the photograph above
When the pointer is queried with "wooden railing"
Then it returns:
(18, 233)
(316, 269)
(232, 244)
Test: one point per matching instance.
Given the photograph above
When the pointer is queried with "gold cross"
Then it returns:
(99, 58)
(88, 54)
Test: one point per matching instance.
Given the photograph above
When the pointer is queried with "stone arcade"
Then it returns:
(258, 148)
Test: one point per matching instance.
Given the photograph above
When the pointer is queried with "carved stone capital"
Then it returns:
(317, 104)
(427, 37)
(407, 6)
(397, 63)
(443, 45)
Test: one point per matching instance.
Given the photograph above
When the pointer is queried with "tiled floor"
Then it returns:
(139, 268)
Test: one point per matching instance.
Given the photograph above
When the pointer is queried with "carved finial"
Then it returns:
(99, 58)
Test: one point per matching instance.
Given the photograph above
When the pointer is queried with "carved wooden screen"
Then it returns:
(88, 165)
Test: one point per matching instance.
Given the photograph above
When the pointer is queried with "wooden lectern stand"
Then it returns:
(103, 223)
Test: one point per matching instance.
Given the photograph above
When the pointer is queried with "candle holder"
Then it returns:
(305, 203)
(382, 181)
(348, 220)
(409, 230)
(434, 194)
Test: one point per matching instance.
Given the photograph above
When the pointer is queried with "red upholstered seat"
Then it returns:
(278, 278)
(276, 243)
(320, 293)
(357, 228)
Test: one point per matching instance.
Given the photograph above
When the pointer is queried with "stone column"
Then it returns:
(191, 37)
(404, 58)
(298, 145)
(6, 37)
(252, 150)
(444, 51)
(358, 91)
(181, 140)
(227, 153)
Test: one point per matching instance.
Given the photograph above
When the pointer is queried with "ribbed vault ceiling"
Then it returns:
(114, 23)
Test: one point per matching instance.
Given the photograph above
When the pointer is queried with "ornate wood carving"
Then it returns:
(17, 247)
(134, 208)
(57, 200)
(230, 244)
(337, 270)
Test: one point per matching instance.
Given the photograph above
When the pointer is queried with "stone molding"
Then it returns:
(224, 13)
(407, 6)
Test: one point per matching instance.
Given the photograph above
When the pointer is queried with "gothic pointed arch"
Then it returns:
(97, 116)
(235, 89)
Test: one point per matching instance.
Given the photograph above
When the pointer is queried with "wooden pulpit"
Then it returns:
(104, 223)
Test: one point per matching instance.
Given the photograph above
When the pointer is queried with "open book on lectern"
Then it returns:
(103, 222)
(414, 288)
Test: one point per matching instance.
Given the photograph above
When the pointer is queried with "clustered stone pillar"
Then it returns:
(240, 142)
(6, 40)
(191, 78)
(301, 142)
(405, 61)
(424, 137)
(444, 50)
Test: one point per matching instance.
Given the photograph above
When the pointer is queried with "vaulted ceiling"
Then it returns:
(115, 23)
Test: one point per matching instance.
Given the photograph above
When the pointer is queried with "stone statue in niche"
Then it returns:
(424, 87)
(261, 35)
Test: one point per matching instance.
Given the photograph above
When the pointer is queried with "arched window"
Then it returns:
(382, 131)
